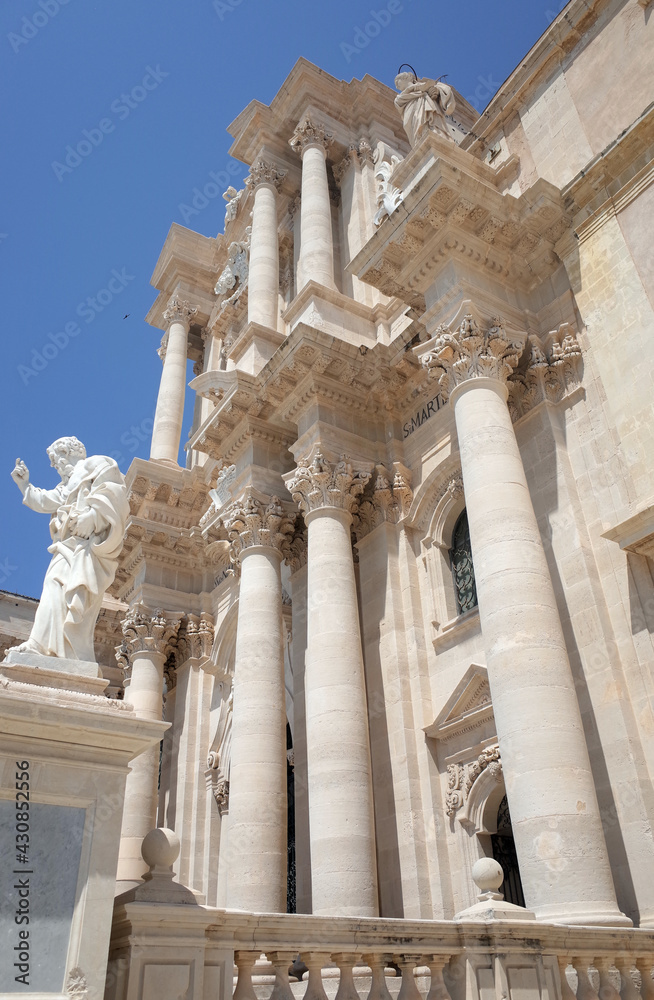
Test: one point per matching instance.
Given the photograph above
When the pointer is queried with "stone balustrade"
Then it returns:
(369, 958)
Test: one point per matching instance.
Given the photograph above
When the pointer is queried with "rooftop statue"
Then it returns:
(89, 509)
(424, 104)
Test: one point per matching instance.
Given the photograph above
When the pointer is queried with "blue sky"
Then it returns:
(148, 88)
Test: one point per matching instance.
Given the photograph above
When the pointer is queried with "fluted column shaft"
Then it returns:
(316, 261)
(147, 639)
(264, 246)
(169, 414)
(341, 819)
(257, 864)
(555, 816)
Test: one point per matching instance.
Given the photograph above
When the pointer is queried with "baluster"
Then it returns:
(346, 988)
(628, 990)
(437, 988)
(607, 990)
(408, 989)
(245, 963)
(378, 987)
(585, 989)
(567, 993)
(644, 966)
(314, 962)
(281, 960)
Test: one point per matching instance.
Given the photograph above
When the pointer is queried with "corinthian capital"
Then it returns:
(195, 638)
(179, 311)
(469, 352)
(257, 520)
(319, 484)
(389, 501)
(309, 133)
(263, 172)
(146, 631)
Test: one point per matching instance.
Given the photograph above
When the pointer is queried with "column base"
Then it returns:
(584, 914)
(170, 463)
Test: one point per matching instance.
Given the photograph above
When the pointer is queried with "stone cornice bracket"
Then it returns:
(309, 133)
(195, 638)
(256, 520)
(146, 631)
(317, 483)
(389, 501)
(179, 311)
(264, 172)
(468, 353)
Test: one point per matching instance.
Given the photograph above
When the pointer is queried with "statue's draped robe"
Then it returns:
(424, 107)
(81, 569)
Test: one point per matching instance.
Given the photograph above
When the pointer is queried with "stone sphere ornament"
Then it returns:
(487, 874)
(160, 848)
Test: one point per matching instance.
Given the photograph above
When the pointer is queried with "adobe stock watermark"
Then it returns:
(485, 89)
(223, 7)
(131, 439)
(122, 107)
(87, 310)
(30, 26)
(6, 569)
(363, 35)
(217, 183)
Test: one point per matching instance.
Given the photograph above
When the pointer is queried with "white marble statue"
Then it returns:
(89, 509)
(423, 104)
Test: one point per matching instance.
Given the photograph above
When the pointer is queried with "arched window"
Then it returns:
(463, 571)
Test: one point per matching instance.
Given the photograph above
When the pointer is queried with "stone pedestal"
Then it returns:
(64, 757)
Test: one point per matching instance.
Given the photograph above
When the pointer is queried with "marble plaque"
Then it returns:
(38, 883)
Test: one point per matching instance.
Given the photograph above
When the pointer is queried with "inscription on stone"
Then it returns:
(423, 414)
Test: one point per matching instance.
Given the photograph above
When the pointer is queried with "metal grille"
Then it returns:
(463, 571)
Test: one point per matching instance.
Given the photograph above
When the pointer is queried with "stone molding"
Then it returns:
(76, 985)
(468, 352)
(554, 372)
(316, 483)
(390, 501)
(264, 172)
(146, 631)
(257, 520)
(462, 776)
(309, 133)
(179, 311)
(195, 638)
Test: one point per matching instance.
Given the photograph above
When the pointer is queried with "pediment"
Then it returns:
(468, 706)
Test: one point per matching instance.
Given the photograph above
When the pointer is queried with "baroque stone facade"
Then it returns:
(422, 367)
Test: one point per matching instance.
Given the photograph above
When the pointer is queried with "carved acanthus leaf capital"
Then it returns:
(254, 520)
(195, 638)
(318, 483)
(179, 311)
(554, 371)
(263, 172)
(469, 352)
(390, 501)
(309, 133)
(146, 631)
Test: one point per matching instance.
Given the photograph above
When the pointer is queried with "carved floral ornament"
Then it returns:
(461, 777)
(146, 631)
(468, 352)
(179, 311)
(389, 501)
(317, 483)
(263, 172)
(257, 521)
(309, 133)
(195, 638)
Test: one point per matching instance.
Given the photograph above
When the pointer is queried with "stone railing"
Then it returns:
(166, 945)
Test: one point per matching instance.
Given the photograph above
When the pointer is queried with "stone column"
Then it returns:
(146, 644)
(557, 827)
(341, 821)
(263, 293)
(169, 415)
(256, 878)
(317, 252)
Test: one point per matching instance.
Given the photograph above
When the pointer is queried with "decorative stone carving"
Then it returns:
(318, 484)
(161, 350)
(233, 199)
(221, 795)
(89, 510)
(297, 557)
(423, 104)
(263, 172)
(388, 197)
(144, 630)
(77, 985)
(390, 501)
(221, 494)
(195, 639)
(220, 755)
(257, 521)
(462, 776)
(554, 371)
(234, 276)
(309, 133)
(179, 311)
(361, 151)
(470, 353)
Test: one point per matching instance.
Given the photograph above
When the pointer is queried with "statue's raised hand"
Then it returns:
(20, 475)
